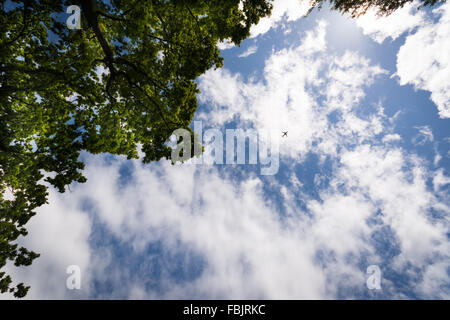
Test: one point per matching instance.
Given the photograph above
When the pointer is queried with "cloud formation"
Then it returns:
(380, 28)
(423, 60)
(162, 231)
(290, 10)
(251, 50)
(287, 98)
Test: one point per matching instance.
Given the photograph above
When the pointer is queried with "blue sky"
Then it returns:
(363, 177)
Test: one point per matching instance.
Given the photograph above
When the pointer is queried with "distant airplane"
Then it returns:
(285, 134)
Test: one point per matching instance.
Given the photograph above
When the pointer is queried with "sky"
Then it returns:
(363, 176)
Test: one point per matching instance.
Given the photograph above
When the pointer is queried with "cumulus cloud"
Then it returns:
(283, 11)
(225, 45)
(246, 248)
(392, 138)
(440, 180)
(423, 61)
(402, 196)
(392, 26)
(251, 50)
(290, 10)
(60, 232)
(286, 98)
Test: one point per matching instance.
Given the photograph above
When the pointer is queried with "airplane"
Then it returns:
(285, 134)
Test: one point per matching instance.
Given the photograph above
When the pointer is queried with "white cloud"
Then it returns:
(401, 194)
(249, 250)
(60, 232)
(424, 136)
(391, 138)
(251, 50)
(286, 99)
(225, 45)
(392, 26)
(101, 72)
(292, 10)
(283, 10)
(424, 62)
(440, 180)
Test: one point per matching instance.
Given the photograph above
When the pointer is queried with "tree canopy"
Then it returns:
(125, 79)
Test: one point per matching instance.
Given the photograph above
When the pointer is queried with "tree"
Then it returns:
(359, 7)
(56, 102)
